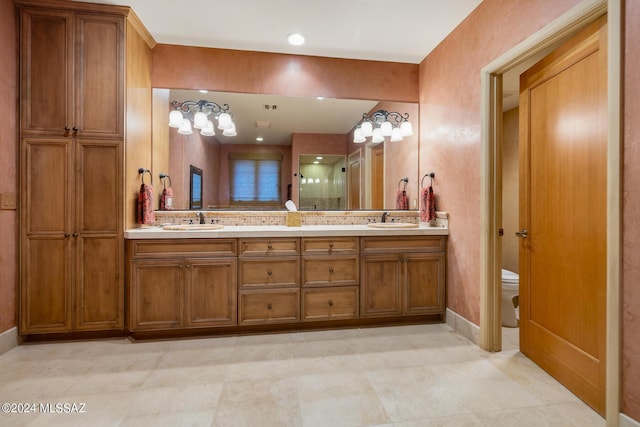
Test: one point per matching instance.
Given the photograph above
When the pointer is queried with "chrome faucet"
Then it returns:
(201, 216)
(384, 216)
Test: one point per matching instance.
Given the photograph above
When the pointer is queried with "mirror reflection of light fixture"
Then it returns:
(317, 180)
(200, 112)
(381, 124)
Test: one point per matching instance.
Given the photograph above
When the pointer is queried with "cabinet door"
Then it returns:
(381, 290)
(99, 71)
(424, 283)
(46, 72)
(99, 281)
(46, 268)
(99, 289)
(211, 292)
(156, 294)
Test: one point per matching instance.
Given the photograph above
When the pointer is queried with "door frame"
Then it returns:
(491, 180)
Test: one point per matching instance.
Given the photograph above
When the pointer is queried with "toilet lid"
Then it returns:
(510, 277)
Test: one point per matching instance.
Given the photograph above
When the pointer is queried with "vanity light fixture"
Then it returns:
(183, 113)
(381, 124)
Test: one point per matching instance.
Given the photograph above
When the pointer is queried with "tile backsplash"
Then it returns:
(240, 218)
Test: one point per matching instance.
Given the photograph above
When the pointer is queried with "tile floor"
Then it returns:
(422, 375)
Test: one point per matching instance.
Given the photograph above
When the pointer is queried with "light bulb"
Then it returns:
(396, 135)
(367, 129)
(231, 131)
(175, 118)
(200, 120)
(224, 121)
(386, 128)
(358, 137)
(377, 136)
(208, 129)
(406, 128)
(185, 127)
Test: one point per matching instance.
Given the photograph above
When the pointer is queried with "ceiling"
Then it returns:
(290, 115)
(396, 31)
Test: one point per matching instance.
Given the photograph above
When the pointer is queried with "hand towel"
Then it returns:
(166, 199)
(428, 205)
(145, 205)
(402, 200)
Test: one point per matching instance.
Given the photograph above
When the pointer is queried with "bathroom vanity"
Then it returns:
(267, 278)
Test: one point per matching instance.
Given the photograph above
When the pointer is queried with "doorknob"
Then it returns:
(522, 234)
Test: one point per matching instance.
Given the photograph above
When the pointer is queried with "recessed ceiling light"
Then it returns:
(259, 139)
(203, 91)
(319, 98)
(295, 39)
(315, 162)
(319, 158)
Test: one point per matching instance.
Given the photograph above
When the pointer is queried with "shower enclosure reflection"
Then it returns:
(322, 182)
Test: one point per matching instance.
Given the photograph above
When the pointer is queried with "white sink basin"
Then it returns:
(193, 227)
(393, 225)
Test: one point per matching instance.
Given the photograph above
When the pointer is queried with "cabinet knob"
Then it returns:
(180, 265)
(269, 272)
(330, 303)
(330, 269)
(269, 246)
(75, 234)
(269, 306)
(331, 244)
(66, 235)
(66, 131)
(188, 265)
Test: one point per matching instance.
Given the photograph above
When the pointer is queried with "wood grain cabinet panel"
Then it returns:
(268, 306)
(334, 303)
(156, 294)
(72, 88)
(210, 292)
(402, 278)
(381, 289)
(269, 247)
(330, 246)
(330, 270)
(267, 272)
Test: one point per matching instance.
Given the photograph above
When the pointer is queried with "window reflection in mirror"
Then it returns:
(322, 182)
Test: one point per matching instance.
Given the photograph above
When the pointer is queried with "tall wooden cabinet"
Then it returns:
(72, 138)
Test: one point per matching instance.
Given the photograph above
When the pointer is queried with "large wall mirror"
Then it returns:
(270, 159)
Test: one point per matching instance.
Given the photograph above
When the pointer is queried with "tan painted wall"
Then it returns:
(181, 67)
(8, 164)
(450, 135)
(510, 243)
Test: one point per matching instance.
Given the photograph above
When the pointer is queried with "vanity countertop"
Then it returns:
(282, 231)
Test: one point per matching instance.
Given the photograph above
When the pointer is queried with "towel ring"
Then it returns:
(142, 171)
(430, 175)
(405, 180)
(163, 177)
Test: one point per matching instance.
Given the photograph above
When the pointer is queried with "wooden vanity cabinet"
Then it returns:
(402, 276)
(72, 108)
(269, 281)
(330, 278)
(182, 284)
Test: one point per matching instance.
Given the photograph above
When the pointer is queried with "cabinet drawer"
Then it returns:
(398, 244)
(269, 247)
(329, 303)
(269, 272)
(330, 270)
(185, 247)
(269, 306)
(331, 245)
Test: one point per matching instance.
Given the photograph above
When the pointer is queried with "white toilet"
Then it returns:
(510, 285)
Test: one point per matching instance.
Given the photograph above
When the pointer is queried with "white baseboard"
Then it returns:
(466, 328)
(8, 340)
(626, 421)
